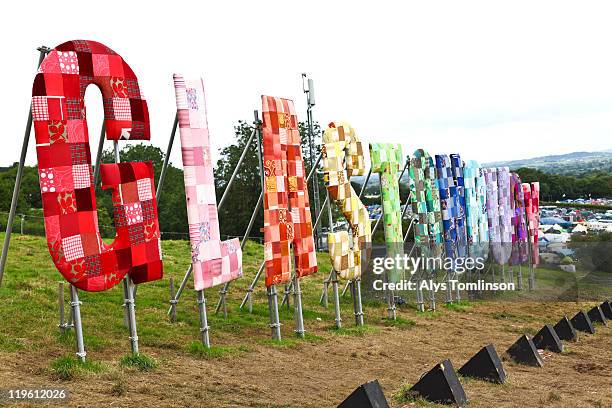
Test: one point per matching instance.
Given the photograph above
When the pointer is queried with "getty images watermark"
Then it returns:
(402, 264)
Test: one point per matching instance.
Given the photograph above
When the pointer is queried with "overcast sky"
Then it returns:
(486, 80)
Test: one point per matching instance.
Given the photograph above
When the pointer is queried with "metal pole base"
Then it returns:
(334, 281)
(203, 319)
(128, 292)
(358, 306)
(173, 302)
(297, 298)
(449, 293)
(179, 292)
(78, 326)
(274, 318)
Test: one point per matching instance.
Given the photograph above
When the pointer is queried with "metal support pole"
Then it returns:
(164, 169)
(519, 278)
(62, 318)
(249, 296)
(297, 297)
(357, 304)
(203, 319)
(181, 288)
(334, 281)
(24, 150)
(78, 326)
(274, 318)
(172, 302)
(240, 160)
(128, 293)
(99, 155)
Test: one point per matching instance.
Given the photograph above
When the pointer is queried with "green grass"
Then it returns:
(358, 331)
(461, 306)
(398, 322)
(29, 312)
(139, 361)
(197, 349)
(69, 367)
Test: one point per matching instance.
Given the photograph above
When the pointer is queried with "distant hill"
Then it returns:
(570, 163)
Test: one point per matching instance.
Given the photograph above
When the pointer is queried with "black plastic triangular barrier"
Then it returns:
(523, 351)
(485, 365)
(547, 339)
(441, 385)
(596, 315)
(368, 395)
(606, 308)
(565, 330)
(582, 322)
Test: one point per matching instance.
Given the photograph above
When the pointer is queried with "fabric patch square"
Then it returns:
(133, 213)
(72, 247)
(78, 153)
(148, 211)
(136, 234)
(67, 202)
(129, 192)
(47, 180)
(121, 109)
(68, 62)
(192, 98)
(93, 265)
(81, 176)
(76, 109)
(40, 108)
(58, 131)
(144, 189)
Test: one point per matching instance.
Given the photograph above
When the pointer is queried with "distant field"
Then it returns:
(246, 369)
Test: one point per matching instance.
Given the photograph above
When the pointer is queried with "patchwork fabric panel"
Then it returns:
(64, 165)
(343, 158)
(534, 222)
(476, 209)
(385, 160)
(449, 202)
(137, 247)
(519, 226)
(214, 261)
(504, 196)
(490, 176)
(287, 217)
(425, 200)
(458, 177)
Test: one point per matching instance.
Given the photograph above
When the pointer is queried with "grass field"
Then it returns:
(246, 368)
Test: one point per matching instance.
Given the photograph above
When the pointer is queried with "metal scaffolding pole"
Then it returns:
(162, 175)
(78, 326)
(24, 150)
(99, 154)
(128, 289)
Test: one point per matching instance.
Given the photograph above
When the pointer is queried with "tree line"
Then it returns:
(237, 209)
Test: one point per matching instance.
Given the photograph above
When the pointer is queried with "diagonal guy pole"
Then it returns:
(43, 51)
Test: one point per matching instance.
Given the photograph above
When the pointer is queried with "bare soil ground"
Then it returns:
(322, 370)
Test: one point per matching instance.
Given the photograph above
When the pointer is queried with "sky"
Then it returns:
(490, 80)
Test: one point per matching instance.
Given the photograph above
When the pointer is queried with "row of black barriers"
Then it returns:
(441, 384)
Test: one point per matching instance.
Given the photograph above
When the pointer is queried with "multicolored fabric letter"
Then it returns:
(425, 199)
(449, 202)
(519, 236)
(65, 174)
(457, 171)
(343, 158)
(504, 197)
(386, 159)
(477, 228)
(287, 217)
(214, 261)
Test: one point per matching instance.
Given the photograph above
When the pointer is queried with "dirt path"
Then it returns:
(322, 372)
